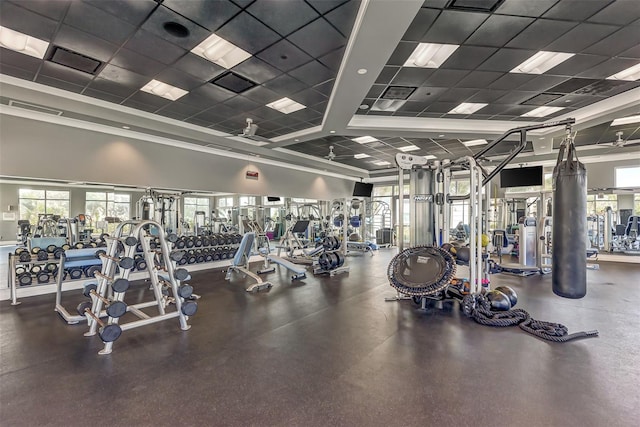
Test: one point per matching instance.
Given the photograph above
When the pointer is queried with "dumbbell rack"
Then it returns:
(108, 275)
(333, 250)
(14, 264)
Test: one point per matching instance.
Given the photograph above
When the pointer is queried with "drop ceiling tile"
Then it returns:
(256, 70)
(511, 81)
(441, 107)
(198, 122)
(607, 88)
(179, 110)
(261, 95)
(27, 22)
(454, 26)
(468, 57)
(576, 65)
(17, 72)
(285, 85)
(333, 59)
(137, 63)
(284, 56)
(160, 16)
(60, 84)
(412, 76)
(539, 34)
(634, 52)
(122, 76)
(67, 74)
(325, 88)
(212, 115)
(114, 87)
(209, 14)
(421, 23)
(284, 16)
(109, 97)
(98, 22)
(343, 17)
(608, 68)
(525, 8)
(620, 12)
(198, 67)
(248, 33)
(308, 97)
(414, 106)
(575, 10)
(148, 44)
(618, 42)
(205, 96)
(515, 97)
(305, 114)
(178, 78)
(51, 9)
(132, 11)
(506, 59)
(402, 53)
(320, 106)
(19, 60)
(458, 95)
(317, 38)
(243, 3)
(427, 93)
(542, 83)
(376, 91)
(265, 113)
(487, 96)
(541, 99)
(240, 103)
(497, 30)
(571, 85)
(324, 6)
(86, 44)
(149, 99)
(479, 79)
(312, 73)
(575, 101)
(387, 74)
(581, 37)
(445, 78)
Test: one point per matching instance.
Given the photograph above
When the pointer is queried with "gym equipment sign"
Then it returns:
(252, 175)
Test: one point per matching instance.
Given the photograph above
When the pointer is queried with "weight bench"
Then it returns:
(359, 247)
(240, 264)
(313, 252)
(299, 272)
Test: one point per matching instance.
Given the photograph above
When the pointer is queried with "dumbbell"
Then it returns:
(66, 247)
(42, 255)
(42, 277)
(180, 274)
(91, 270)
(79, 245)
(182, 260)
(172, 238)
(120, 285)
(206, 241)
(181, 243)
(113, 308)
(51, 248)
(189, 242)
(108, 332)
(20, 270)
(126, 263)
(57, 254)
(185, 291)
(51, 268)
(24, 256)
(141, 263)
(177, 256)
(189, 308)
(197, 242)
(208, 257)
(25, 279)
(191, 257)
(75, 273)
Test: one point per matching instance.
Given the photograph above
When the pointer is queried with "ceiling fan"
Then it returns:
(249, 132)
(332, 156)
(621, 142)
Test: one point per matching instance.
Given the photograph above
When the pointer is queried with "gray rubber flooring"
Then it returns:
(330, 352)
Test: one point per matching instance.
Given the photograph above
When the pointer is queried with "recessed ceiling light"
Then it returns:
(381, 163)
(387, 104)
(332, 131)
(631, 73)
(361, 156)
(430, 55)
(22, 43)
(363, 107)
(467, 108)
(364, 139)
(441, 135)
(164, 90)
(126, 127)
(626, 120)
(296, 140)
(408, 148)
(541, 62)
(286, 105)
(221, 52)
(542, 111)
(474, 142)
(362, 71)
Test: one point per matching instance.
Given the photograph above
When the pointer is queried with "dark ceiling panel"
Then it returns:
(139, 105)
(581, 37)
(308, 97)
(412, 76)
(479, 79)
(617, 42)
(86, 44)
(24, 21)
(17, 72)
(240, 103)
(427, 93)
(19, 60)
(511, 81)
(608, 68)
(283, 16)
(571, 85)
(325, 88)
(62, 72)
(180, 109)
(123, 77)
(256, 70)
(344, 16)
(285, 85)
(576, 65)
(515, 97)
(99, 23)
(198, 67)
(487, 96)
(441, 107)
(454, 27)
(60, 84)
(497, 30)
(525, 8)
(621, 12)
(539, 34)
(109, 97)
(402, 53)
(446, 78)
(457, 95)
(149, 99)
(506, 59)
(333, 59)
(132, 11)
(542, 83)
(179, 79)
(324, 6)
(421, 23)
(233, 82)
(634, 52)
(468, 57)
(114, 87)
(209, 14)
(387, 74)
(541, 99)
(248, 33)
(50, 9)
(162, 15)
(137, 63)
(317, 38)
(206, 96)
(312, 73)
(150, 45)
(284, 56)
(575, 10)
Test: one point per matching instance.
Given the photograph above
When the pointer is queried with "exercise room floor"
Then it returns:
(330, 351)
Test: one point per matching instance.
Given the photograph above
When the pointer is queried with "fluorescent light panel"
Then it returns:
(631, 73)
(361, 156)
(164, 90)
(541, 62)
(364, 139)
(286, 105)
(467, 108)
(430, 55)
(22, 43)
(429, 156)
(381, 163)
(219, 51)
(475, 142)
(387, 104)
(408, 148)
(542, 111)
(626, 120)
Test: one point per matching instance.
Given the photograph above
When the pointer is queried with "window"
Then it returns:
(299, 200)
(636, 204)
(597, 204)
(99, 205)
(627, 176)
(34, 202)
(193, 204)
(225, 202)
(380, 191)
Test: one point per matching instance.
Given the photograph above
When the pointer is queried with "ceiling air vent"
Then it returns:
(542, 99)
(33, 107)
(74, 60)
(398, 92)
(602, 87)
(474, 5)
(233, 82)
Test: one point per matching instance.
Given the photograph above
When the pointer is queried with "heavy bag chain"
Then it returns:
(568, 146)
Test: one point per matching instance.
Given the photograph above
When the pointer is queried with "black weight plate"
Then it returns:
(42, 256)
(190, 242)
(120, 285)
(141, 264)
(208, 257)
(182, 261)
(191, 259)
(83, 306)
(51, 248)
(91, 271)
(24, 256)
(58, 253)
(110, 333)
(185, 291)
(25, 279)
(173, 238)
(180, 274)
(206, 241)
(43, 277)
(200, 258)
(75, 273)
(189, 308)
(127, 263)
(130, 241)
(180, 244)
(197, 242)
(116, 309)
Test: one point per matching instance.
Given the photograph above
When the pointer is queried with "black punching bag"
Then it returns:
(569, 255)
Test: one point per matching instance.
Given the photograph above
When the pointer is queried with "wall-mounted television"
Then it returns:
(521, 177)
(362, 189)
(273, 199)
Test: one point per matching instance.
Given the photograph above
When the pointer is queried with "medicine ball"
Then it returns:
(463, 254)
(485, 240)
(498, 300)
(510, 293)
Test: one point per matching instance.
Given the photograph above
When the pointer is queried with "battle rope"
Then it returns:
(479, 308)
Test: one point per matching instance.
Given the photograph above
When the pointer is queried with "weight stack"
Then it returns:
(569, 256)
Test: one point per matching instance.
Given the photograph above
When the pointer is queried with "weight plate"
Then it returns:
(185, 291)
(189, 308)
(110, 333)
(116, 309)
(83, 307)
